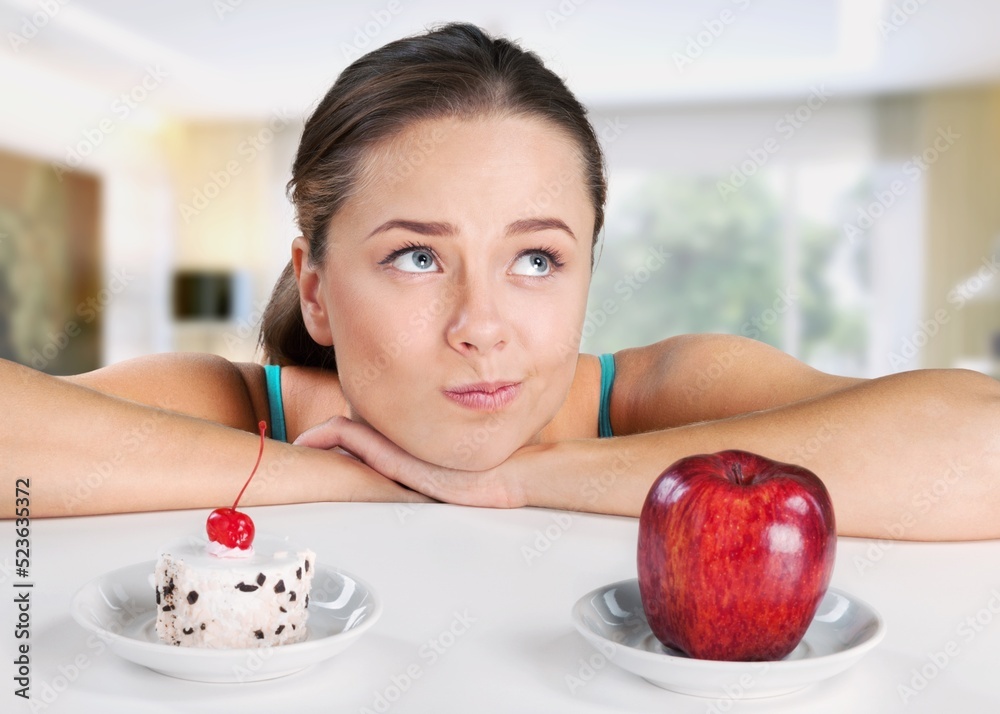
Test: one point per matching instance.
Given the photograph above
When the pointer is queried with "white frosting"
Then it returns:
(222, 551)
(267, 550)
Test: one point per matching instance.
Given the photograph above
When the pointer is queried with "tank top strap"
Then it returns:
(607, 382)
(272, 376)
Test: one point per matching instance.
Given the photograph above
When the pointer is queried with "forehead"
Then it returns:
(518, 158)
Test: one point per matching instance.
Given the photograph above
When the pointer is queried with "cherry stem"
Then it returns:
(263, 427)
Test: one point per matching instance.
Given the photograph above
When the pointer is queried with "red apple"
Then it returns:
(735, 554)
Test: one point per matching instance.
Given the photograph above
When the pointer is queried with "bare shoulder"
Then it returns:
(692, 378)
(200, 385)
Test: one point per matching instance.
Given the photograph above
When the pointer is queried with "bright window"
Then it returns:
(770, 261)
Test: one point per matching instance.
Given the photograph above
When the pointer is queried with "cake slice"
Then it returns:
(213, 597)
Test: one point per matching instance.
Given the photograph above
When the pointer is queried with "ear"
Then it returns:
(311, 297)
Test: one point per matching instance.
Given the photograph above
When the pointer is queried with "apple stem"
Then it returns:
(263, 427)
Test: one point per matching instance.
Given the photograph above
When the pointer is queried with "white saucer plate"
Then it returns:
(120, 607)
(843, 630)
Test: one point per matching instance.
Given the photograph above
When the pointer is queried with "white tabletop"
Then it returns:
(505, 582)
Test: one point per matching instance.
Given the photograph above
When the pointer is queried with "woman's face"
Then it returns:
(455, 284)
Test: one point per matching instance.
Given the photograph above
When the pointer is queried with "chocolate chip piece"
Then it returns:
(168, 608)
(283, 609)
(192, 597)
(260, 578)
(168, 589)
(244, 588)
(203, 625)
(307, 566)
(307, 601)
(298, 573)
(291, 597)
(259, 634)
(280, 587)
(157, 594)
(188, 630)
(280, 628)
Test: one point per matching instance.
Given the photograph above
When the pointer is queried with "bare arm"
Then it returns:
(913, 455)
(169, 445)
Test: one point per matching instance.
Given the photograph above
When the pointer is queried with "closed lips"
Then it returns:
(485, 397)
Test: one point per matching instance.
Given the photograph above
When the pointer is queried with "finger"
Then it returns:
(322, 436)
(365, 444)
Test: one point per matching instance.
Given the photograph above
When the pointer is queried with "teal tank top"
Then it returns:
(607, 381)
(272, 376)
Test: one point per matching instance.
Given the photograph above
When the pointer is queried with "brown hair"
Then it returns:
(456, 70)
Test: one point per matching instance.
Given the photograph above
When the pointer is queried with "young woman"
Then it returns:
(423, 343)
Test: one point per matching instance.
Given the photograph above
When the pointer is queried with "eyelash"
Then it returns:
(551, 254)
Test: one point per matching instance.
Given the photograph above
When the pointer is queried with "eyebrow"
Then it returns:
(524, 225)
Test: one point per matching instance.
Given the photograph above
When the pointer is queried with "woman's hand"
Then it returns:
(494, 488)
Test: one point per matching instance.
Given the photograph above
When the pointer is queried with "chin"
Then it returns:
(467, 455)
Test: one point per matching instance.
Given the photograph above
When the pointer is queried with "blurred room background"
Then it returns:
(823, 176)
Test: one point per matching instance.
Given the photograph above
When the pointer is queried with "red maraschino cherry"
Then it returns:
(229, 527)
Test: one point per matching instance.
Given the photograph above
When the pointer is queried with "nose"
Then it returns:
(476, 325)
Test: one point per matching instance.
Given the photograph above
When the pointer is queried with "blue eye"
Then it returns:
(537, 263)
(534, 264)
(411, 259)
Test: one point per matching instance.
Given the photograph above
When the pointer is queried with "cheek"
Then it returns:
(361, 326)
(381, 343)
(557, 320)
